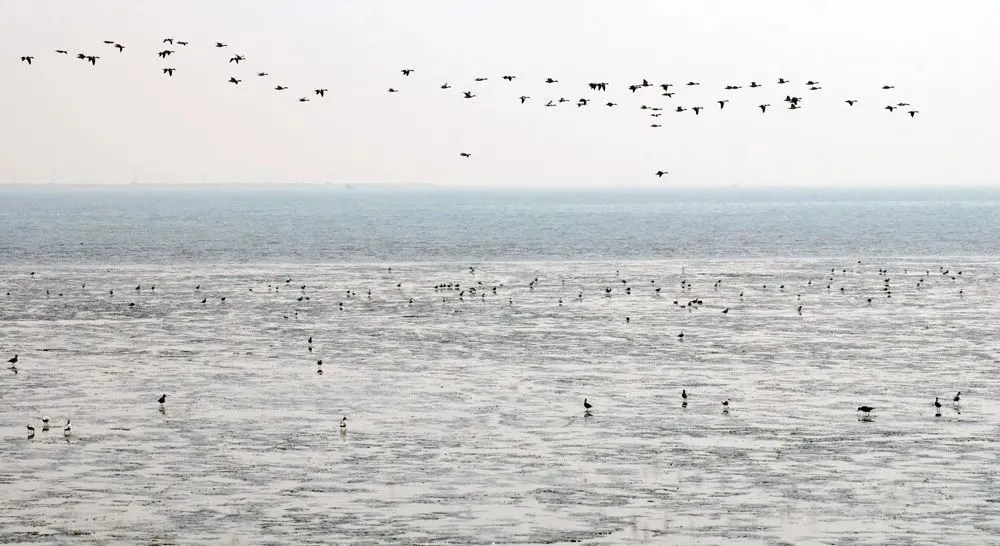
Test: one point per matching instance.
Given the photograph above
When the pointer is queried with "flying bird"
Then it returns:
(550, 80)
(913, 113)
(406, 71)
(697, 109)
(237, 58)
(93, 59)
(220, 44)
(321, 92)
(468, 94)
(888, 87)
(851, 101)
(391, 90)
(722, 103)
(445, 86)
(280, 88)
(63, 51)
(508, 78)
(120, 48)
(169, 71)
(782, 80)
(763, 107)
(182, 43)
(890, 108)
(481, 79)
(234, 80)
(27, 58)
(464, 154)
(524, 98)
(262, 74)
(163, 54)
(661, 173)
(304, 99)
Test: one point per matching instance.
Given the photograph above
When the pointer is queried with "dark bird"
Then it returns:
(320, 92)
(890, 108)
(684, 394)
(468, 94)
(587, 405)
(280, 88)
(481, 79)
(446, 86)
(406, 71)
(109, 42)
(697, 109)
(725, 406)
(63, 51)
(163, 54)
(851, 101)
(937, 404)
(27, 59)
(888, 87)
(957, 397)
(391, 90)
(508, 78)
(220, 44)
(234, 80)
(524, 98)
(550, 80)
(169, 71)
(120, 48)
(610, 104)
(168, 41)
(913, 112)
(237, 58)
(464, 154)
(45, 424)
(692, 83)
(782, 80)
(722, 103)
(182, 43)
(262, 74)
(67, 428)
(162, 399)
(660, 173)
(755, 84)
(866, 409)
(343, 423)
(763, 107)
(680, 335)
(810, 82)
(31, 431)
(13, 360)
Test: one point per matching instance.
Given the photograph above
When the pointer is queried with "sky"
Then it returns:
(125, 122)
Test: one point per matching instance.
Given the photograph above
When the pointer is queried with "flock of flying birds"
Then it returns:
(553, 99)
(459, 294)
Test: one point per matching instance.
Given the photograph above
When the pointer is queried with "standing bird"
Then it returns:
(957, 397)
(67, 429)
(587, 405)
(725, 406)
(343, 424)
(31, 432)
(684, 394)
(162, 399)
(866, 409)
(45, 424)
(13, 360)
(937, 404)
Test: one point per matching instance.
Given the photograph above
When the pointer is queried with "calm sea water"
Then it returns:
(464, 404)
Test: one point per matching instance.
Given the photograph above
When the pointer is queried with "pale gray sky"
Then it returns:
(123, 120)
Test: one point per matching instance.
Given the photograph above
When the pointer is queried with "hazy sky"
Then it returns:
(123, 120)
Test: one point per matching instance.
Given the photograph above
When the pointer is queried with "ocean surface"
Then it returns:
(459, 333)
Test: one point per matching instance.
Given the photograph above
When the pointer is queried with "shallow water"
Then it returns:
(465, 414)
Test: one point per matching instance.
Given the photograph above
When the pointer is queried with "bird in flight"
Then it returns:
(481, 79)
(524, 98)
(464, 154)
(169, 71)
(233, 80)
(237, 58)
(693, 83)
(851, 102)
(391, 90)
(63, 51)
(610, 104)
(321, 92)
(27, 58)
(763, 107)
(468, 94)
(550, 80)
(93, 59)
(406, 71)
(163, 54)
(304, 99)
(913, 113)
(168, 41)
(722, 103)
(120, 48)
(782, 80)
(890, 108)
(888, 87)
(755, 84)
(697, 109)
(280, 88)
(182, 43)
(660, 173)
(262, 74)
(220, 44)
(508, 78)
(445, 86)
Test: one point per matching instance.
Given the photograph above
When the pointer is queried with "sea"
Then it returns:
(457, 332)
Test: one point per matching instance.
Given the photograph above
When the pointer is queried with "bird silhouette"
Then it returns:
(913, 112)
(391, 90)
(866, 409)
(92, 59)
(162, 399)
(163, 54)
(508, 78)
(722, 103)
(220, 44)
(445, 86)
(890, 108)
(62, 51)
(851, 102)
(550, 80)
(233, 80)
(262, 74)
(169, 71)
(524, 98)
(661, 173)
(304, 99)
(407, 71)
(468, 94)
(27, 59)
(763, 107)
(782, 80)
(888, 87)
(12, 360)
(481, 79)
(697, 109)
(464, 154)
(168, 41)
(182, 43)
(957, 397)
(321, 92)
(280, 88)
(120, 48)
(587, 405)
(237, 58)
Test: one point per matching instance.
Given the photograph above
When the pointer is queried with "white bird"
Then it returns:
(67, 429)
